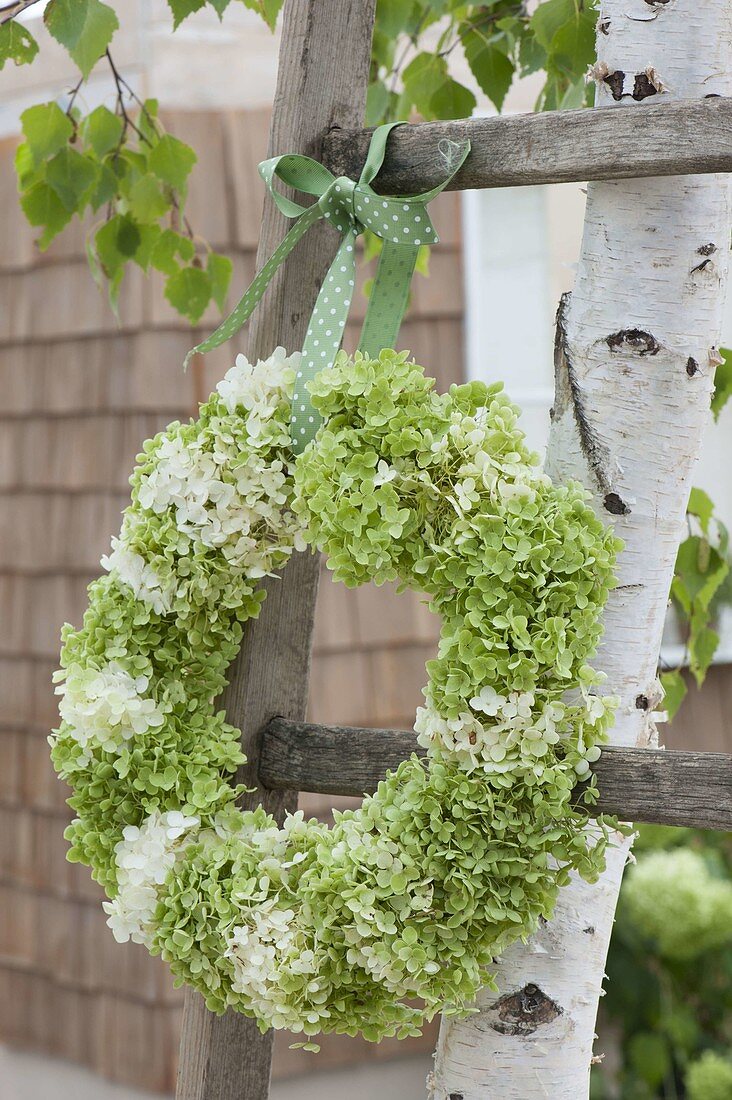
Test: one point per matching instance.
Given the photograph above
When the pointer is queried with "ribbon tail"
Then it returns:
(323, 338)
(243, 310)
(389, 298)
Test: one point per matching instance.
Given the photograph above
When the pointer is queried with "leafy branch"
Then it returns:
(116, 162)
(501, 42)
(10, 11)
(701, 573)
(122, 162)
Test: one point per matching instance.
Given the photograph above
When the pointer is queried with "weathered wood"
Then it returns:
(323, 73)
(653, 785)
(654, 139)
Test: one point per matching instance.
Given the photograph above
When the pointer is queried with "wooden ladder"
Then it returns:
(318, 110)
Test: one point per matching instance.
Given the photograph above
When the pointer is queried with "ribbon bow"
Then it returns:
(403, 224)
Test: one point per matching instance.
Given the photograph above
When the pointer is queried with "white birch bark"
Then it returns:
(636, 348)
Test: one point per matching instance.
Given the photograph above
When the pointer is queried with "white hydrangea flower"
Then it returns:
(251, 388)
(466, 494)
(263, 949)
(597, 707)
(515, 490)
(518, 705)
(134, 572)
(488, 701)
(227, 495)
(518, 734)
(384, 473)
(145, 856)
(105, 707)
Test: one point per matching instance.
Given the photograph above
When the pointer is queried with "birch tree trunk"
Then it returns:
(635, 355)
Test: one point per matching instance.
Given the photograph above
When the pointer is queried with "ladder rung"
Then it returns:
(647, 139)
(654, 785)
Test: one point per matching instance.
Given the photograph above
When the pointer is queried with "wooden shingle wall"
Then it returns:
(79, 395)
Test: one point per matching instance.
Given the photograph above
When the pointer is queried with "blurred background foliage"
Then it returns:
(669, 995)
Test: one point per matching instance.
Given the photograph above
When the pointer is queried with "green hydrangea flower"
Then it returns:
(710, 1077)
(399, 910)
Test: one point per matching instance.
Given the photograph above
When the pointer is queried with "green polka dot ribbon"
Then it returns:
(403, 225)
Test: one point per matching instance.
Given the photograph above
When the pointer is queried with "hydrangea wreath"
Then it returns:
(396, 911)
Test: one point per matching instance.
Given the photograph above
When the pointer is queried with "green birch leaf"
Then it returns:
(575, 96)
(26, 170)
(168, 247)
(115, 243)
(675, 689)
(181, 9)
(84, 27)
(102, 130)
(171, 161)
(722, 382)
(701, 505)
(72, 176)
(422, 78)
(394, 16)
(17, 44)
(189, 292)
(489, 65)
(219, 269)
(146, 201)
(92, 259)
(268, 9)
(377, 101)
(703, 642)
(219, 6)
(372, 246)
(113, 289)
(422, 264)
(532, 55)
(573, 46)
(105, 188)
(550, 17)
(383, 50)
(147, 120)
(700, 570)
(452, 100)
(42, 206)
(149, 235)
(47, 129)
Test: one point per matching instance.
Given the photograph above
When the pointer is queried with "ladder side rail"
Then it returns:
(688, 789)
(323, 74)
(689, 137)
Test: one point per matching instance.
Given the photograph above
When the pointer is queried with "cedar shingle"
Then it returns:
(336, 624)
(12, 745)
(340, 689)
(246, 146)
(400, 675)
(17, 927)
(40, 787)
(385, 618)
(45, 302)
(15, 690)
(117, 371)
